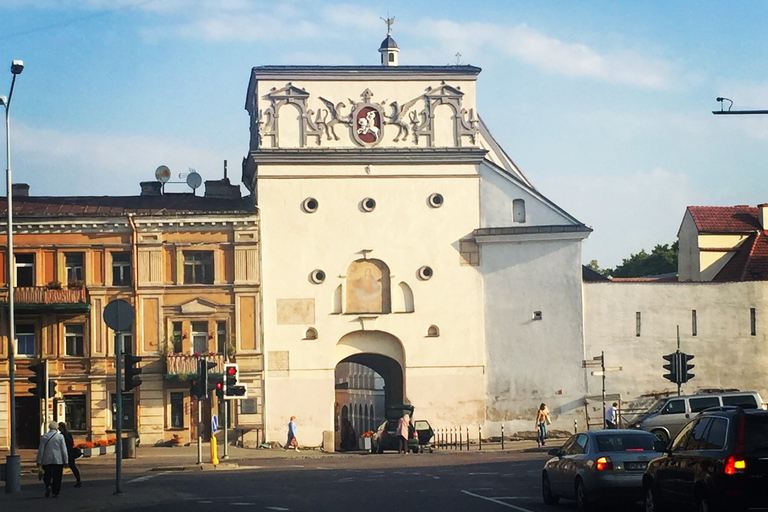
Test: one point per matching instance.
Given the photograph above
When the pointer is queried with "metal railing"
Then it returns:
(177, 364)
(44, 295)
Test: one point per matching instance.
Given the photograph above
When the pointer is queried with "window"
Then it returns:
(129, 411)
(73, 262)
(73, 336)
(518, 211)
(716, 435)
(25, 269)
(177, 410)
(694, 324)
(674, 407)
(177, 337)
(682, 438)
(705, 402)
(743, 401)
(198, 267)
(25, 340)
(121, 269)
(753, 321)
(637, 323)
(698, 438)
(221, 337)
(126, 343)
(200, 337)
(74, 413)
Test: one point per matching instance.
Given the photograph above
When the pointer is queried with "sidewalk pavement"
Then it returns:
(182, 458)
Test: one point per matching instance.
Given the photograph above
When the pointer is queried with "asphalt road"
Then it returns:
(445, 482)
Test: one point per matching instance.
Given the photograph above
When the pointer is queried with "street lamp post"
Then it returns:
(13, 461)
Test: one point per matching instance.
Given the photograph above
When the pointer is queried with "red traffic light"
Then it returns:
(219, 385)
(231, 370)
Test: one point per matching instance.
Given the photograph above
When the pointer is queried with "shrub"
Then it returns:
(86, 445)
(102, 442)
(111, 441)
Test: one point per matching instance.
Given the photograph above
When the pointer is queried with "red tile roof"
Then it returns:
(750, 263)
(725, 219)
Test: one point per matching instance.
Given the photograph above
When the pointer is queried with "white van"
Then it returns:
(668, 415)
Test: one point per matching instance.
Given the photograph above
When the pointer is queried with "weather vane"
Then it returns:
(389, 22)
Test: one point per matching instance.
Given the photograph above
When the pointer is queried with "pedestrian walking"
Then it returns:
(72, 452)
(292, 441)
(612, 416)
(542, 420)
(403, 427)
(52, 456)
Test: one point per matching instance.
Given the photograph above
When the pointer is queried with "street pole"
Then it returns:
(12, 461)
(225, 455)
(199, 431)
(602, 367)
(119, 413)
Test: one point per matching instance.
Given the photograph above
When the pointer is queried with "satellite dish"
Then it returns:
(194, 180)
(162, 174)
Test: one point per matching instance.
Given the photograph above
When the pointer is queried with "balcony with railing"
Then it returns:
(43, 298)
(180, 366)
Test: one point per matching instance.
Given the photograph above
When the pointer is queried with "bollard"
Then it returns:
(502, 436)
(453, 438)
(214, 451)
(575, 427)
(461, 442)
(480, 437)
(467, 438)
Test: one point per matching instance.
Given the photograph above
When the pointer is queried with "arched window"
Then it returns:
(311, 334)
(518, 210)
(433, 331)
(368, 289)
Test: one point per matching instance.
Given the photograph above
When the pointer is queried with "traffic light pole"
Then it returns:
(226, 402)
(119, 419)
(199, 431)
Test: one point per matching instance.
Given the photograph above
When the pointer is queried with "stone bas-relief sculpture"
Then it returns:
(366, 119)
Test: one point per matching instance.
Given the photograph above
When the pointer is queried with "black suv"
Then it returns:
(718, 461)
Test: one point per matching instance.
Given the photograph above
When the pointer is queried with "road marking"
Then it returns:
(277, 508)
(242, 504)
(497, 501)
(207, 502)
(483, 473)
(143, 478)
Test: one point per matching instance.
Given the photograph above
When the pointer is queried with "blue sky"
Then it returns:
(605, 106)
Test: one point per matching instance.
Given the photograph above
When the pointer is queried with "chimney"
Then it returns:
(222, 189)
(151, 188)
(20, 190)
(762, 214)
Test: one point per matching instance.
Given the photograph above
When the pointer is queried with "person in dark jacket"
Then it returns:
(70, 452)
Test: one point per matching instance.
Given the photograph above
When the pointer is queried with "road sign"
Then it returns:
(118, 315)
(214, 423)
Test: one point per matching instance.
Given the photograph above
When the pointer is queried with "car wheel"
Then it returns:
(661, 434)
(582, 500)
(546, 491)
(651, 501)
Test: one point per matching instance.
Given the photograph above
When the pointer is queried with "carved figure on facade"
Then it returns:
(464, 123)
(366, 120)
(334, 111)
(288, 95)
(398, 117)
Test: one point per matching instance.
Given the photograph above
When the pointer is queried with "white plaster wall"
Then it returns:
(688, 250)
(444, 376)
(533, 361)
(726, 354)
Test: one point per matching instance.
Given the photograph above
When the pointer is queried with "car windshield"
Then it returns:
(624, 442)
(656, 407)
(756, 434)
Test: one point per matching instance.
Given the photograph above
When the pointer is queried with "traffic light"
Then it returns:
(195, 388)
(673, 367)
(51, 388)
(38, 379)
(685, 368)
(231, 386)
(219, 387)
(131, 372)
(205, 383)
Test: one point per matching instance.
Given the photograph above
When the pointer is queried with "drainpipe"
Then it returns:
(134, 257)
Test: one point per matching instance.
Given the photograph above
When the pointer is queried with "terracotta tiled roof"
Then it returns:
(750, 263)
(725, 219)
(110, 206)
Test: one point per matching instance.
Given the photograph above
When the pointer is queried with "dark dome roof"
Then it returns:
(388, 43)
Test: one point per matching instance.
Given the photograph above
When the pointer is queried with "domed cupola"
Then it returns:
(388, 48)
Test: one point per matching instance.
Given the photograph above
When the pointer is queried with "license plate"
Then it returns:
(634, 466)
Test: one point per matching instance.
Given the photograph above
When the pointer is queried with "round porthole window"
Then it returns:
(309, 205)
(436, 200)
(368, 204)
(317, 276)
(425, 273)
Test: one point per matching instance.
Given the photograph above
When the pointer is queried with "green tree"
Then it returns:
(661, 260)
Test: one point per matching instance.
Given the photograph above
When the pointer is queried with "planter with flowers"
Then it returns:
(365, 441)
(110, 448)
(89, 449)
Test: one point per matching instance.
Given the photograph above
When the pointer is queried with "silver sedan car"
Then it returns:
(599, 466)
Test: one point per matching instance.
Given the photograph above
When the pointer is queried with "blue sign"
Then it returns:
(214, 423)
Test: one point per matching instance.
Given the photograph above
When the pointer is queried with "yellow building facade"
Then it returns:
(189, 267)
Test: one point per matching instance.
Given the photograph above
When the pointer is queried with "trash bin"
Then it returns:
(129, 447)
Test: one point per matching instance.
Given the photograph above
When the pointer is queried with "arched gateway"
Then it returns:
(369, 376)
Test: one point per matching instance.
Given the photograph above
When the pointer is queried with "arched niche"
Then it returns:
(403, 299)
(289, 125)
(518, 210)
(368, 288)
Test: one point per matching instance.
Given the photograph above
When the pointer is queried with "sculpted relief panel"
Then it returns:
(318, 120)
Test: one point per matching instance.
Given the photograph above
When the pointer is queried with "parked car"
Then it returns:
(718, 461)
(385, 437)
(601, 465)
(668, 415)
